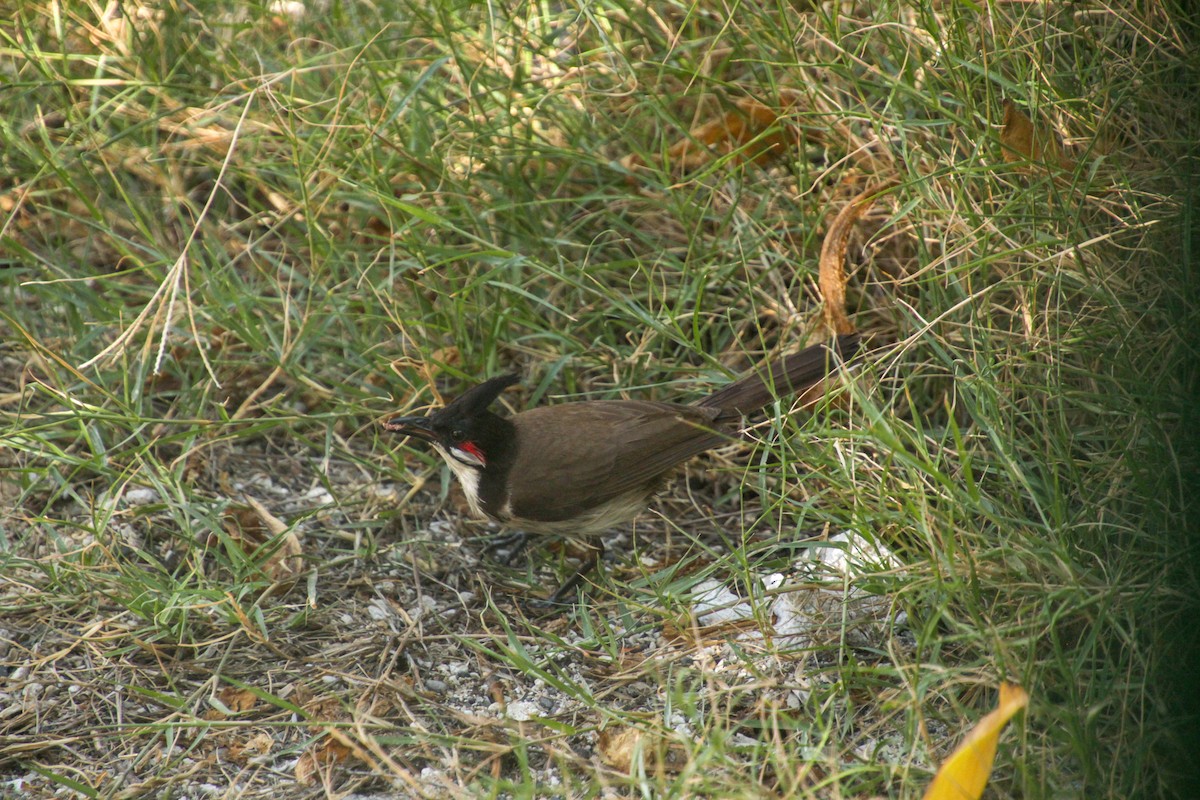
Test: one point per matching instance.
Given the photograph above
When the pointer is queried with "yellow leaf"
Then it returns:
(832, 273)
(966, 772)
(1024, 142)
(745, 131)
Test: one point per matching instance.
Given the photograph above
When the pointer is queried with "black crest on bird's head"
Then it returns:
(475, 400)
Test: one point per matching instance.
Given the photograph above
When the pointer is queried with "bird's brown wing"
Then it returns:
(629, 445)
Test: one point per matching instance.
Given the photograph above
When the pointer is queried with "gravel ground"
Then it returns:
(399, 662)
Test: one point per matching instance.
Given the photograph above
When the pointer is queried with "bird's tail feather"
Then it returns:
(786, 376)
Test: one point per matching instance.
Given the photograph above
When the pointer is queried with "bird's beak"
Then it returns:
(416, 427)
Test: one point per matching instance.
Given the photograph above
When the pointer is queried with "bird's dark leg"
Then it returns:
(570, 584)
(504, 547)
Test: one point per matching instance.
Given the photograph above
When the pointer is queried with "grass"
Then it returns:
(232, 238)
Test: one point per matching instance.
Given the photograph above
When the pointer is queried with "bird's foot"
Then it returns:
(503, 548)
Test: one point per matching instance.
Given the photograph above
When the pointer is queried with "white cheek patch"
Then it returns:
(469, 479)
(469, 454)
(467, 474)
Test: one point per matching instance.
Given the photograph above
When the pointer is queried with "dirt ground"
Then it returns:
(398, 659)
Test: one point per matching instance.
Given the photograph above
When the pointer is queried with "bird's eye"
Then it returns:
(457, 434)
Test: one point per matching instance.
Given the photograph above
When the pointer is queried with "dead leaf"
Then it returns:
(255, 747)
(832, 271)
(235, 699)
(735, 131)
(252, 527)
(320, 710)
(319, 761)
(1023, 142)
(326, 715)
(738, 131)
(965, 773)
(624, 748)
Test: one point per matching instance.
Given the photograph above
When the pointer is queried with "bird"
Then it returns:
(578, 469)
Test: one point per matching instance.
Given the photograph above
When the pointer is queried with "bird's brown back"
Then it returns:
(629, 447)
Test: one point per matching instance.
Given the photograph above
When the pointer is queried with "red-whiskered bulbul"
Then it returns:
(578, 469)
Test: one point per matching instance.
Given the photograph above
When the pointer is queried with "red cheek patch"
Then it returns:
(470, 447)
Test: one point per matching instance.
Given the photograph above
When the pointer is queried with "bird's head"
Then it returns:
(464, 430)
